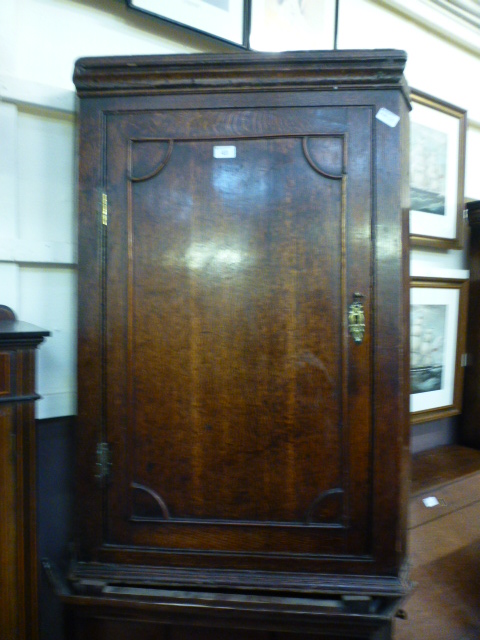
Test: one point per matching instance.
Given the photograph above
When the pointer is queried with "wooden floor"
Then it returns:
(444, 543)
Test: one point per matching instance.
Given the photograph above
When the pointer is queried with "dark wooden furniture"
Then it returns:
(470, 418)
(243, 354)
(18, 555)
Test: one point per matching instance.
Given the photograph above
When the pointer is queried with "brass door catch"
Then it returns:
(356, 319)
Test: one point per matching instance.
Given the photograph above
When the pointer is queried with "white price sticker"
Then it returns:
(224, 151)
(388, 117)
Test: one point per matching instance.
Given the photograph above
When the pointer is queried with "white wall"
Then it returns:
(444, 68)
(37, 239)
(39, 43)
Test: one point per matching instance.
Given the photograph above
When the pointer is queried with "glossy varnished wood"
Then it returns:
(8, 531)
(18, 555)
(449, 473)
(207, 73)
(112, 628)
(233, 323)
(249, 434)
(469, 420)
(441, 465)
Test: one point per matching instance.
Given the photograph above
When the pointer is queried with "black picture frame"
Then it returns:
(233, 21)
(225, 20)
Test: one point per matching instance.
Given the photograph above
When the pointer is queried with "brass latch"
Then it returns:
(356, 319)
(103, 463)
(104, 209)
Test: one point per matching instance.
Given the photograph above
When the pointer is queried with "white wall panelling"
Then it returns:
(52, 34)
(435, 65)
(27, 92)
(38, 243)
(427, 269)
(9, 285)
(46, 185)
(444, 17)
(39, 43)
(48, 298)
(8, 177)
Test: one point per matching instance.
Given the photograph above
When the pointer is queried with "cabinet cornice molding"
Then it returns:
(248, 71)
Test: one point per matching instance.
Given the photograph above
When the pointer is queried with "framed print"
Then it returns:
(438, 316)
(437, 172)
(289, 25)
(224, 19)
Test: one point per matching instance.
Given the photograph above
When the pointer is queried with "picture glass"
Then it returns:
(434, 149)
(428, 169)
(427, 330)
(433, 343)
(221, 18)
(289, 25)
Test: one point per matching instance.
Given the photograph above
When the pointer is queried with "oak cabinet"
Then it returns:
(243, 372)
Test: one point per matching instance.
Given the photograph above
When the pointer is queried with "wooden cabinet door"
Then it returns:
(237, 405)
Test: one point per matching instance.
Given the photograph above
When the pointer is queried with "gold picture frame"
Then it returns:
(437, 172)
(438, 319)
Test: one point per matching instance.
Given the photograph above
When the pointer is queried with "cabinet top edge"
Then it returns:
(15, 329)
(246, 71)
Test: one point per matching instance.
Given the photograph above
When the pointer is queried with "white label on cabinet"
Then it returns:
(388, 117)
(224, 151)
(431, 501)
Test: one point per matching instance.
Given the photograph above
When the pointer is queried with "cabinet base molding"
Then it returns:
(85, 576)
(101, 599)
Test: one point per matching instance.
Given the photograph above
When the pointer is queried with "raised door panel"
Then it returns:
(238, 406)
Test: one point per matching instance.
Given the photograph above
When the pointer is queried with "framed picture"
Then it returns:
(288, 25)
(224, 19)
(438, 316)
(261, 25)
(437, 172)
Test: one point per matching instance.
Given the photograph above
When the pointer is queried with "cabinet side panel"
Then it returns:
(470, 431)
(391, 415)
(90, 347)
(9, 605)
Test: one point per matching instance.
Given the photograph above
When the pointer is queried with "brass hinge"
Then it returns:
(104, 209)
(104, 462)
(466, 360)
